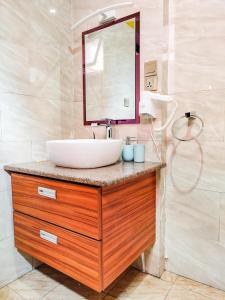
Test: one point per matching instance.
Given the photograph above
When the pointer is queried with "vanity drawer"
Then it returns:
(71, 253)
(72, 206)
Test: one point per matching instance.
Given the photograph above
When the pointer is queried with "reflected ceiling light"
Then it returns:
(52, 11)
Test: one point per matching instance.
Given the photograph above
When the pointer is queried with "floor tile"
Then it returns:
(178, 293)
(34, 285)
(8, 294)
(73, 290)
(52, 273)
(200, 288)
(136, 285)
(168, 276)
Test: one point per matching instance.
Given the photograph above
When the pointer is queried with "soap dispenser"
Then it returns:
(128, 150)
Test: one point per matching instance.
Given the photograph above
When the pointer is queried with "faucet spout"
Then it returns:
(108, 125)
(108, 129)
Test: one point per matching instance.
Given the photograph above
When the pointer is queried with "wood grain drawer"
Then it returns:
(75, 255)
(75, 207)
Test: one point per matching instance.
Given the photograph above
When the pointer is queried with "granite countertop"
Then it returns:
(104, 176)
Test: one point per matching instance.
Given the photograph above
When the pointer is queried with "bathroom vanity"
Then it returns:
(89, 224)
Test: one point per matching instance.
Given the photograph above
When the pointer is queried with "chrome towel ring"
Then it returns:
(190, 116)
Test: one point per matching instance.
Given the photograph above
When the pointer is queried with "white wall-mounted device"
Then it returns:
(148, 106)
(107, 16)
(103, 11)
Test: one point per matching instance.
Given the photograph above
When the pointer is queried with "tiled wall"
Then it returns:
(195, 226)
(153, 47)
(35, 84)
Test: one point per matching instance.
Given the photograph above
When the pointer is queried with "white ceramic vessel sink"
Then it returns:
(84, 154)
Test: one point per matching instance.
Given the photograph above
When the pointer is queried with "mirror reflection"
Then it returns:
(110, 64)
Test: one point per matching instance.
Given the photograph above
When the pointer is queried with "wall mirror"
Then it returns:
(111, 71)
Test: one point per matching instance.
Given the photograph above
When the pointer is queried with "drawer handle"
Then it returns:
(49, 237)
(47, 192)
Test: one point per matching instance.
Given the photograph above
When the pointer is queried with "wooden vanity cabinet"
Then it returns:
(87, 232)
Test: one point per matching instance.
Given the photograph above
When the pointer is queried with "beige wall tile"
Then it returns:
(195, 213)
(6, 213)
(203, 170)
(203, 8)
(14, 263)
(222, 219)
(206, 104)
(38, 150)
(14, 20)
(15, 152)
(13, 67)
(68, 120)
(50, 28)
(195, 61)
(38, 116)
(194, 257)
(5, 180)
(194, 77)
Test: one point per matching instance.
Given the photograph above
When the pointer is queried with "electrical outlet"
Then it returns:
(151, 83)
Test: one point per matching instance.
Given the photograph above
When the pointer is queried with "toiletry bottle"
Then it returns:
(139, 153)
(128, 150)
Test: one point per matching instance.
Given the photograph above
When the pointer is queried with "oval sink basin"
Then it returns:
(84, 154)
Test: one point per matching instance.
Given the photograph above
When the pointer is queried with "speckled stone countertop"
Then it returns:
(119, 172)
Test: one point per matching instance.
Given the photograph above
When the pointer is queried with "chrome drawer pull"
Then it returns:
(49, 237)
(47, 192)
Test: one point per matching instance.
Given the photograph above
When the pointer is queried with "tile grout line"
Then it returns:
(197, 293)
(170, 289)
(205, 190)
(172, 286)
(59, 283)
(43, 296)
(206, 297)
(16, 292)
(186, 289)
(220, 205)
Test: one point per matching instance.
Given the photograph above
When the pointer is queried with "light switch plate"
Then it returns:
(150, 68)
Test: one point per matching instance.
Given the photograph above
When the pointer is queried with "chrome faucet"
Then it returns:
(108, 126)
(108, 129)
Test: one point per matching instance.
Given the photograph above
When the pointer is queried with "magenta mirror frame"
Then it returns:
(136, 120)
